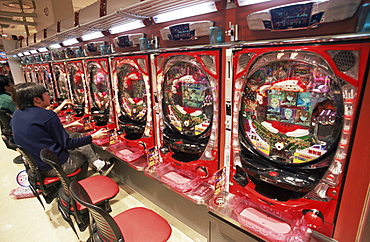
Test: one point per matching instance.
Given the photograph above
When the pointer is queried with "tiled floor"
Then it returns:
(25, 219)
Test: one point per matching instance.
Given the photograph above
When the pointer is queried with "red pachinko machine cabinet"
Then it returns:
(294, 117)
(133, 105)
(188, 87)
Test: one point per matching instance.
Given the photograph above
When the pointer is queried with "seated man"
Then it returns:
(7, 107)
(36, 127)
(6, 87)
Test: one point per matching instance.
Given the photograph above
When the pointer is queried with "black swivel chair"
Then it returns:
(7, 133)
(100, 188)
(135, 224)
(48, 186)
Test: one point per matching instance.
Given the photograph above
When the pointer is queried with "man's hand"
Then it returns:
(99, 134)
(73, 124)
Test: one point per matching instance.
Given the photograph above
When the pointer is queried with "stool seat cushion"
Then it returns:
(51, 179)
(100, 188)
(142, 224)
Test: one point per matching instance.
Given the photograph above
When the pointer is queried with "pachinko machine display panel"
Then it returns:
(27, 72)
(188, 87)
(78, 88)
(100, 94)
(133, 105)
(63, 91)
(293, 121)
(45, 78)
(61, 81)
(36, 74)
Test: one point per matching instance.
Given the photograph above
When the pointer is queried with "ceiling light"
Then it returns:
(126, 27)
(55, 46)
(26, 53)
(186, 12)
(91, 36)
(20, 54)
(43, 49)
(70, 42)
(34, 51)
(250, 2)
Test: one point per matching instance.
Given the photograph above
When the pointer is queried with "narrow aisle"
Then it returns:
(25, 219)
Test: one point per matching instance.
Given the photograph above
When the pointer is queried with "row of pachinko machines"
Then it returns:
(261, 135)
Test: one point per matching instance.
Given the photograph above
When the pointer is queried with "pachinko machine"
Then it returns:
(188, 87)
(293, 122)
(100, 97)
(133, 105)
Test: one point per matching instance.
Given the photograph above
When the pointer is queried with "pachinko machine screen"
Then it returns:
(291, 115)
(133, 87)
(100, 91)
(27, 72)
(78, 87)
(47, 80)
(188, 105)
(61, 81)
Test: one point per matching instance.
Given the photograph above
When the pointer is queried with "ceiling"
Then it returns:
(19, 17)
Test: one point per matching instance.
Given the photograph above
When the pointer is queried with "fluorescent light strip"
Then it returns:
(20, 54)
(70, 42)
(126, 27)
(26, 53)
(186, 12)
(55, 46)
(250, 2)
(91, 36)
(43, 49)
(34, 51)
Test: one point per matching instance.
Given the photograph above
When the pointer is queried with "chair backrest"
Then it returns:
(30, 164)
(6, 129)
(5, 119)
(49, 157)
(35, 178)
(107, 227)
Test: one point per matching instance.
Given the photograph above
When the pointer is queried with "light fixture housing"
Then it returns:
(26, 53)
(93, 35)
(195, 10)
(126, 27)
(34, 51)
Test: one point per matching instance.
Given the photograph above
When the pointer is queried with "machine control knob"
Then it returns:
(202, 171)
(314, 218)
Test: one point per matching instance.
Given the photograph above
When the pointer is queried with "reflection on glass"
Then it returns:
(188, 100)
